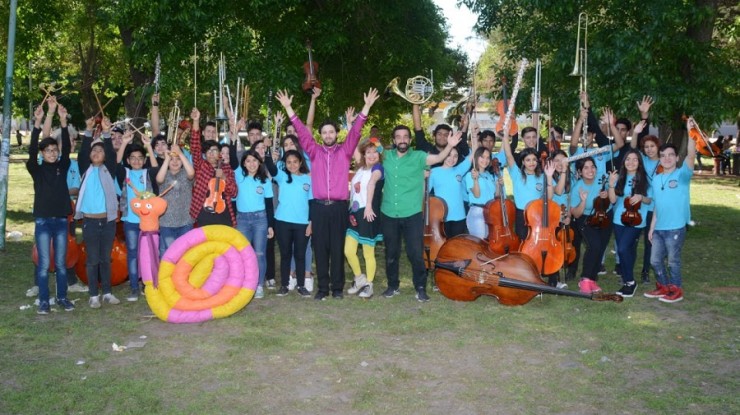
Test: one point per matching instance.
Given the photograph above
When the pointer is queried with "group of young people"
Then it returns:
(300, 194)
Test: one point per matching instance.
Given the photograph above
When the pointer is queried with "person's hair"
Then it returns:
(556, 175)
(329, 122)
(624, 121)
(157, 139)
(254, 125)
(303, 168)
(261, 173)
(558, 129)
(479, 152)
(666, 146)
(526, 130)
(650, 137)
(640, 181)
(399, 128)
(208, 144)
(295, 141)
(487, 133)
(211, 124)
(133, 148)
(46, 142)
(526, 152)
(442, 127)
(582, 162)
(362, 148)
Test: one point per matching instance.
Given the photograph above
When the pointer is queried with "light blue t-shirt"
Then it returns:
(252, 192)
(138, 180)
(561, 200)
(73, 175)
(651, 168)
(593, 190)
(487, 185)
(447, 184)
(600, 160)
(527, 190)
(293, 198)
(671, 195)
(619, 206)
(93, 199)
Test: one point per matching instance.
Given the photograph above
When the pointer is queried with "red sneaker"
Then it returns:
(660, 291)
(675, 294)
(588, 286)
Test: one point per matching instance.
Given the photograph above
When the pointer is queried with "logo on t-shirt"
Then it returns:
(260, 190)
(539, 187)
(306, 186)
(673, 184)
(458, 178)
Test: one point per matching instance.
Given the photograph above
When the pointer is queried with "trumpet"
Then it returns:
(172, 122)
(419, 89)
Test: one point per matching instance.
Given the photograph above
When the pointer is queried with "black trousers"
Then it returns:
(292, 240)
(411, 229)
(596, 242)
(329, 225)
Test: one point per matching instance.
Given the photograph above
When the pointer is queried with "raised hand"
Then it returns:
(645, 104)
(315, 93)
(106, 124)
(90, 123)
(607, 116)
(38, 114)
(280, 117)
(613, 177)
(62, 112)
(370, 98)
(155, 99)
(549, 168)
(639, 127)
(146, 140)
(585, 103)
(127, 138)
(454, 140)
(52, 103)
(284, 99)
(350, 115)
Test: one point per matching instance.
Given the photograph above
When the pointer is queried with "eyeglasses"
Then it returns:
(136, 158)
(51, 151)
(213, 150)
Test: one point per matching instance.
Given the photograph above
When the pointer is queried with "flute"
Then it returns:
(589, 153)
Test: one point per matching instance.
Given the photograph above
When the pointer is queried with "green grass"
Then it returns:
(291, 355)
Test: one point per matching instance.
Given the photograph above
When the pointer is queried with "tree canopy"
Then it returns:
(683, 53)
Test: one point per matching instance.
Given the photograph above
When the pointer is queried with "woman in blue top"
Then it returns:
(630, 183)
(254, 208)
(481, 187)
(649, 146)
(582, 198)
(292, 223)
(447, 182)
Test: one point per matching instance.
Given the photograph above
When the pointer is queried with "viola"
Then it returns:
(501, 108)
(435, 212)
(565, 235)
(502, 238)
(311, 70)
(215, 202)
(542, 244)
(467, 269)
(703, 146)
(600, 219)
(631, 215)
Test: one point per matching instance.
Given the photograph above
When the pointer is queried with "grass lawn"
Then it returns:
(557, 355)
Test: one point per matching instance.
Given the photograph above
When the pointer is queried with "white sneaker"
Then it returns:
(359, 282)
(366, 291)
(308, 284)
(292, 283)
(260, 293)
(111, 299)
(270, 284)
(94, 301)
(33, 291)
(562, 285)
(77, 288)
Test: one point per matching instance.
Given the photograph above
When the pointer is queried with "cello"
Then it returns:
(435, 212)
(501, 236)
(311, 69)
(565, 235)
(467, 269)
(542, 245)
(501, 108)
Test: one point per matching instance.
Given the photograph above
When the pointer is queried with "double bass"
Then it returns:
(542, 244)
(467, 269)
(502, 238)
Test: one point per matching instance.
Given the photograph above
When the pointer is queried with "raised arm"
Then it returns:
(51, 109)
(433, 159)
(690, 148)
(304, 134)
(644, 108)
(33, 147)
(155, 115)
(312, 108)
(510, 160)
(639, 127)
(420, 139)
(66, 144)
(353, 137)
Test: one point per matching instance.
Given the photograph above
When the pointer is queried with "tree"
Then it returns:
(685, 54)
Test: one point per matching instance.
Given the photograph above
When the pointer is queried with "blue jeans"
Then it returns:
(167, 236)
(98, 235)
(626, 238)
(668, 244)
(48, 231)
(131, 231)
(253, 225)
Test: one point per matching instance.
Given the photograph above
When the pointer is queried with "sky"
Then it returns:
(461, 32)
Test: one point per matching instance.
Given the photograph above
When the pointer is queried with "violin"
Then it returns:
(435, 212)
(599, 219)
(542, 244)
(502, 238)
(565, 235)
(703, 146)
(467, 269)
(215, 202)
(311, 69)
(631, 215)
(501, 108)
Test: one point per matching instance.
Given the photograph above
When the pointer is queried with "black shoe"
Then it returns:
(421, 295)
(321, 296)
(628, 290)
(282, 291)
(570, 275)
(337, 294)
(391, 292)
(65, 304)
(618, 269)
(645, 276)
(44, 308)
(303, 292)
(602, 270)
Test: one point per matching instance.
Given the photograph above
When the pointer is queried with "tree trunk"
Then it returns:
(135, 102)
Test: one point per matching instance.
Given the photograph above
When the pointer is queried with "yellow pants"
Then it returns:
(350, 251)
